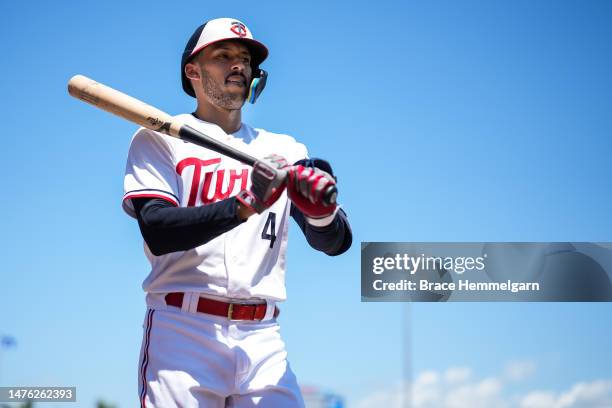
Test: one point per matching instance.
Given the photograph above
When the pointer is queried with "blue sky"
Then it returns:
(445, 121)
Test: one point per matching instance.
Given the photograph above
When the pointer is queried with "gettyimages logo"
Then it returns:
(412, 264)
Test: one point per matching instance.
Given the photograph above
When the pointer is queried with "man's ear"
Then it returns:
(192, 72)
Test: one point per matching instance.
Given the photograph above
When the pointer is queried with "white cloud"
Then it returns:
(538, 399)
(596, 394)
(481, 394)
(456, 387)
(457, 375)
(519, 370)
(427, 378)
(425, 391)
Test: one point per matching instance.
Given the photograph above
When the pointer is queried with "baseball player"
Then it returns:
(215, 233)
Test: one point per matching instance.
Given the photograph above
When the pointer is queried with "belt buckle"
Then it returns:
(230, 314)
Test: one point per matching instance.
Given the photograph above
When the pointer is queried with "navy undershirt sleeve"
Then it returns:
(167, 228)
(333, 239)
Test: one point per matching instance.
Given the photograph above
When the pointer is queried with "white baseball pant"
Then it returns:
(199, 360)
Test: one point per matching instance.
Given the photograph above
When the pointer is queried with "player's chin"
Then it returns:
(236, 93)
(233, 100)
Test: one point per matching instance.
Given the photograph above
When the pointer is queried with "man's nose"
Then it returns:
(238, 65)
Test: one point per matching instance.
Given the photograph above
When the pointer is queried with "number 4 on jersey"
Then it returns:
(271, 226)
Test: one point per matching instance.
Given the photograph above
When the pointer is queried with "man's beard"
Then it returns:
(225, 100)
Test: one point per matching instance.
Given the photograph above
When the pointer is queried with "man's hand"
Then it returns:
(268, 181)
(305, 188)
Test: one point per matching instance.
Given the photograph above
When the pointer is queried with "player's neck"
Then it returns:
(228, 120)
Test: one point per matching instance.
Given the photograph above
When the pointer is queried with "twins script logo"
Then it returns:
(207, 196)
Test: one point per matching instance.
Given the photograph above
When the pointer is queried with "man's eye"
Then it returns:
(246, 60)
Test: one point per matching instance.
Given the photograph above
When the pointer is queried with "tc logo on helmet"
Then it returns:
(239, 29)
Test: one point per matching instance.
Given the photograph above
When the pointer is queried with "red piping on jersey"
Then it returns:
(130, 196)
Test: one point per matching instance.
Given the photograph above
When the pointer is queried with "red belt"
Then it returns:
(233, 311)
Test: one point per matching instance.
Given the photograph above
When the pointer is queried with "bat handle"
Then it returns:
(329, 195)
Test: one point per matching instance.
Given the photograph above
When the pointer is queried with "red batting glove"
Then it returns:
(267, 183)
(305, 188)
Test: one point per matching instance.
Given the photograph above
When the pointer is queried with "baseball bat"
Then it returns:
(136, 111)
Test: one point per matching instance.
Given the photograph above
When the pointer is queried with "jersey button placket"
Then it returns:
(231, 263)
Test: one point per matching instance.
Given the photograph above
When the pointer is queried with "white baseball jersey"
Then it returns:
(245, 262)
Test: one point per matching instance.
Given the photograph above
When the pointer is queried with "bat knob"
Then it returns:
(330, 195)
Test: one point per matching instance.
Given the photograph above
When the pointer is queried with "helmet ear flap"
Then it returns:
(258, 83)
